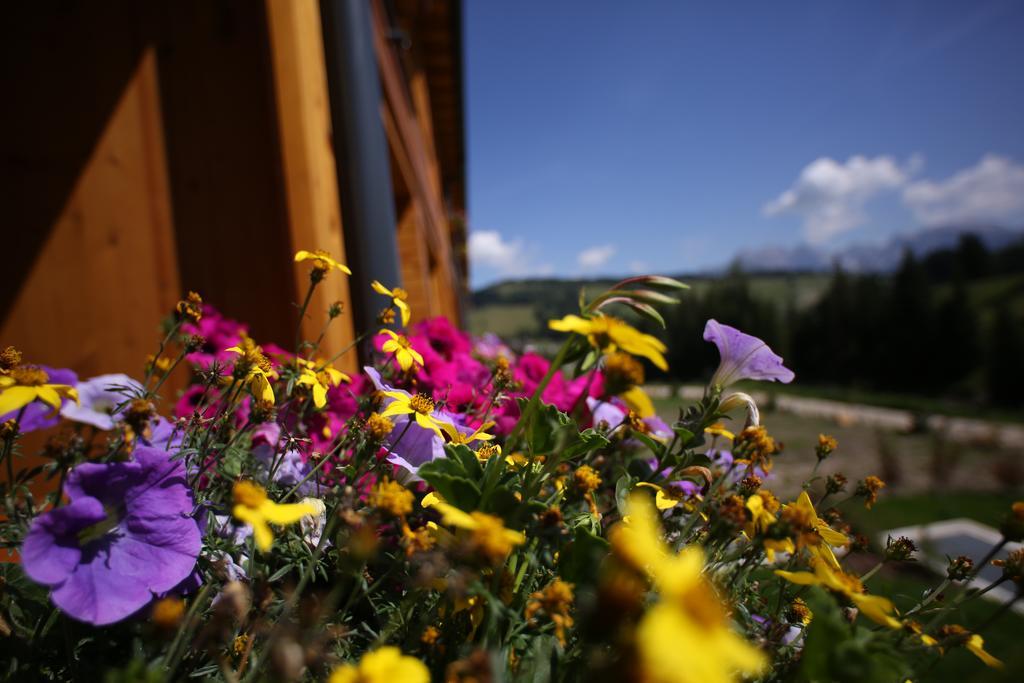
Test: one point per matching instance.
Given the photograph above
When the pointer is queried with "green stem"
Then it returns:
(871, 572)
(173, 654)
(302, 315)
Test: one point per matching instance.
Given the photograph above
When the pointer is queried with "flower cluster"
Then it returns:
(456, 510)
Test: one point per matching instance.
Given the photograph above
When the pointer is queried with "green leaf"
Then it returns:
(450, 479)
(581, 559)
(684, 434)
(835, 651)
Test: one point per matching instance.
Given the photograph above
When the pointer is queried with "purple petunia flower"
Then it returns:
(743, 357)
(99, 397)
(614, 412)
(410, 445)
(126, 534)
(38, 415)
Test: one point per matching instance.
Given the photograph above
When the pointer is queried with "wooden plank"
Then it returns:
(224, 160)
(310, 175)
(418, 165)
(106, 273)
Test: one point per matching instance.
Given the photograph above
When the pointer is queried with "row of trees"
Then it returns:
(940, 326)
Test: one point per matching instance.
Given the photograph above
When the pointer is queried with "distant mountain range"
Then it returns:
(865, 258)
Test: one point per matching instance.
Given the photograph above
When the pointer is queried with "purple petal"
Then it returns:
(98, 594)
(98, 397)
(163, 549)
(162, 488)
(107, 482)
(607, 412)
(743, 356)
(50, 551)
(413, 447)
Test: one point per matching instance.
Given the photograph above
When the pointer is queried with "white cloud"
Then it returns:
(831, 195)
(992, 191)
(494, 257)
(595, 257)
(488, 248)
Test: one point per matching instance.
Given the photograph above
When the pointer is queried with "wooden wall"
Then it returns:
(152, 148)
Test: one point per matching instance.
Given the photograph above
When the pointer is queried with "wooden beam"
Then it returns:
(304, 121)
(407, 133)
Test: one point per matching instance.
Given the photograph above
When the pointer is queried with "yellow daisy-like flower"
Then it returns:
(319, 379)
(322, 261)
(820, 528)
(420, 406)
(686, 636)
(609, 334)
(763, 507)
(26, 383)
(255, 369)
(398, 297)
(254, 508)
(877, 608)
(386, 665)
(479, 434)
(488, 533)
(400, 346)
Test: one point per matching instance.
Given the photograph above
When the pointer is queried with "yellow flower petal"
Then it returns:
(638, 401)
(15, 398)
(285, 514)
(406, 313)
(454, 516)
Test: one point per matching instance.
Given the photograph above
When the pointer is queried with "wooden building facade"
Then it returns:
(153, 148)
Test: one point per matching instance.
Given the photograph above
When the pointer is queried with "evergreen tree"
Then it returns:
(1005, 361)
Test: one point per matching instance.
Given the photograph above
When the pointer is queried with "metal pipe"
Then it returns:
(361, 153)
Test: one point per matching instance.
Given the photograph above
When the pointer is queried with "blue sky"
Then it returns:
(610, 137)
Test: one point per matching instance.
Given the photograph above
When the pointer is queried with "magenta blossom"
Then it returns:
(126, 534)
(218, 333)
(743, 357)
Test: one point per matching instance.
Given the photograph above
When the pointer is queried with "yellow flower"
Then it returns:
(322, 261)
(457, 437)
(378, 426)
(610, 334)
(637, 400)
(398, 297)
(392, 497)
(763, 506)
(976, 645)
(254, 369)
(664, 498)
(686, 635)
(254, 508)
(488, 533)
(400, 346)
(877, 608)
(319, 380)
(386, 665)
(26, 383)
(819, 534)
(718, 429)
(420, 406)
